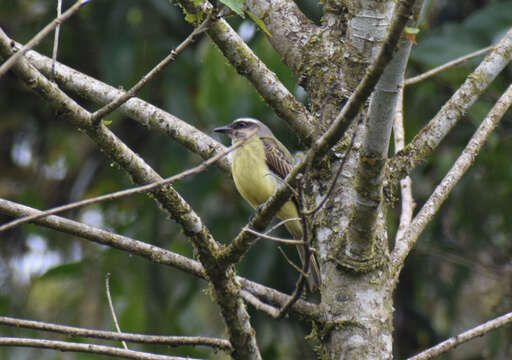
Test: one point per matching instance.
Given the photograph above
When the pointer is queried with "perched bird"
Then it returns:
(258, 166)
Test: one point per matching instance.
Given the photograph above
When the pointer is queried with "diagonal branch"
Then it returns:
(464, 337)
(426, 75)
(41, 35)
(112, 310)
(405, 244)
(114, 104)
(122, 193)
(431, 135)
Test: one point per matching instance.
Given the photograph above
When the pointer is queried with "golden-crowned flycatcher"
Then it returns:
(258, 167)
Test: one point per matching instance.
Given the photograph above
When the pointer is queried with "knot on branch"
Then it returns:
(360, 259)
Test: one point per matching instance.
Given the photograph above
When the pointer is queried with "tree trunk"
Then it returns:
(350, 228)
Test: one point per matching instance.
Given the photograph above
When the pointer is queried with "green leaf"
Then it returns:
(258, 22)
(235, 5)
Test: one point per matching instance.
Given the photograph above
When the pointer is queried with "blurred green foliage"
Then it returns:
(46, 162)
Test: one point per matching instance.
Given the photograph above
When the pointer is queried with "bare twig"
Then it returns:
(40, 35)
(279, 224)
(274, 238)
(258, 304)
(114, 104)
(289, 261)
(449, 64)
(297, 293)
(453, 176)
(463, 337)
(122, 193)
(111, 306)
(86, 348)
(112, 335)
(56, 40)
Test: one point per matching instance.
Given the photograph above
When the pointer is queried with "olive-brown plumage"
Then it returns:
(258, 166)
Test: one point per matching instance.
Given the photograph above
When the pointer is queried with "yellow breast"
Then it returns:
(251, 174)
(256, 183)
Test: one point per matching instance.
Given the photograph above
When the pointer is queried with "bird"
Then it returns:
(258, 167)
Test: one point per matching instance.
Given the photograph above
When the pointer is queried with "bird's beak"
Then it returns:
(224, 129)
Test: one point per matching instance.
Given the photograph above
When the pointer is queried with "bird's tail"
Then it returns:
(314, 279)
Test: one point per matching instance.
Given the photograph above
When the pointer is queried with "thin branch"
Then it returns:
(56, 40)
(221, 344)
(111, 306)
(114, 104)
(40, 35)
(123, 193)
(86, 348)
(274, 238)
(464, 337)
(291, 263)
(280, 223)
(459, 168)
(426, 75)
(254, 301)
(297, 293)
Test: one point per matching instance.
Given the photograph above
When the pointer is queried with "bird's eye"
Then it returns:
(240, 124)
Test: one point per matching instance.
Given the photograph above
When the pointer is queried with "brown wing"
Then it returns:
(278, 158)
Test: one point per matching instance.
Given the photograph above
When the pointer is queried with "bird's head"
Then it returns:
(243, 127)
